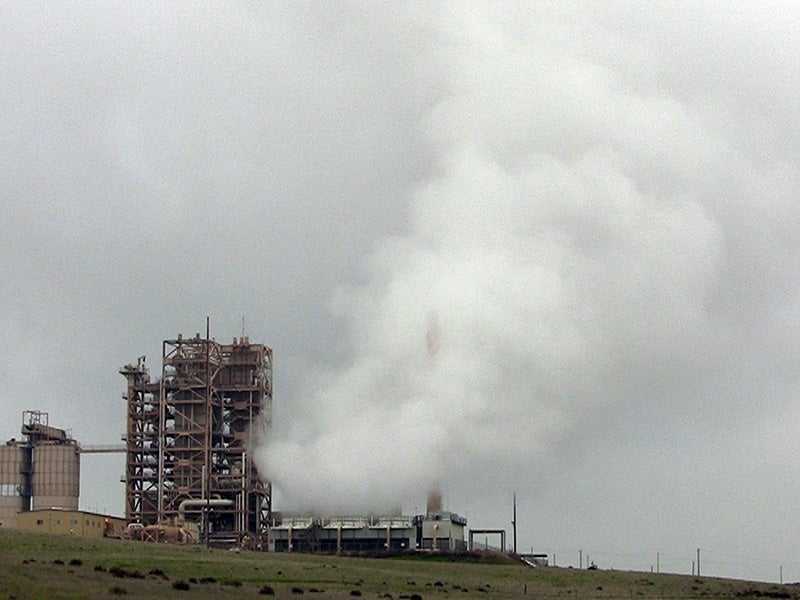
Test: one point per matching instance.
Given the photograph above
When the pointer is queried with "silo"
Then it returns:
(13, 486)
(56, 476)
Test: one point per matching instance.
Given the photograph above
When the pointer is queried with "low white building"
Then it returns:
(442, 531)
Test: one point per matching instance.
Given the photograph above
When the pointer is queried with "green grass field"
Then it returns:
(60, 567)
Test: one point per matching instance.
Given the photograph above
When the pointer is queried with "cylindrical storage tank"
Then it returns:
(56, 476)
(12, 484)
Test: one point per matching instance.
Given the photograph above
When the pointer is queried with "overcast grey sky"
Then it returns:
(547, 248)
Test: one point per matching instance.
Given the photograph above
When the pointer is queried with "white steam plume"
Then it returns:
(519, 299)
(568, 254)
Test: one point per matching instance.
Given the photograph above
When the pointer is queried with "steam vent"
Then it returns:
(190, 437)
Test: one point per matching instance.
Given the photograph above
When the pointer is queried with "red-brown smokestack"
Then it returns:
(434, 500)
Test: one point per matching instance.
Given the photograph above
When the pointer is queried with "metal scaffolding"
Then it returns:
(190, 437)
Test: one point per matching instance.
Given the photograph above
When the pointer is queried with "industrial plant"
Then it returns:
(40, 471)
(190, 436)
(437, 529)
(189, 475)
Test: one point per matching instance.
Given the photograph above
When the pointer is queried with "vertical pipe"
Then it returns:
(203, 497)
(247, 482)
(237, 503)
(242, 514)
(162, 421)
(208, 424)
(514, 522)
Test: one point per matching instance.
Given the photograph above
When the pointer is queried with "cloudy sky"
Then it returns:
(539, 248)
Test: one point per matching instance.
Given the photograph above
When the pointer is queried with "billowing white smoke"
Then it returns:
(565, 255)
(519, 299)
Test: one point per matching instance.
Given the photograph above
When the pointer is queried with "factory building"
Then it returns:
(190, 436)
(437, 530)
(440, 529)
(341, 534)
(189, 440)
(71, 522)
(40, 471)
(441, 532)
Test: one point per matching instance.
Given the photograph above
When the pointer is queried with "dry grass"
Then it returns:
(52, 567)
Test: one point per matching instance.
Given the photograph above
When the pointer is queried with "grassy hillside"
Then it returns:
(53, 567)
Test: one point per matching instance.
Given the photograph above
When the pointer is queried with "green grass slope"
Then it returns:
(59, 567)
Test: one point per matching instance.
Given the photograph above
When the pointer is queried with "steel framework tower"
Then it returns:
(190, 437)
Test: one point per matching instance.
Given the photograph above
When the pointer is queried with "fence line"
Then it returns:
(713, 563)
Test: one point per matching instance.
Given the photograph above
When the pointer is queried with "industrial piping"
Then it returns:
(200, 504)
